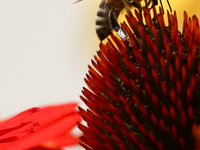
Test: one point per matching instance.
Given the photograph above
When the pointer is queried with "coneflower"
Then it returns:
(144, 93)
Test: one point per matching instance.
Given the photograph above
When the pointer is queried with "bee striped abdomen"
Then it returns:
(102, 24)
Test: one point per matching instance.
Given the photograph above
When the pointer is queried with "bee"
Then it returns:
(108, 12)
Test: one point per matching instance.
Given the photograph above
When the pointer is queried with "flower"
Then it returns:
(54, 132)
(144, 91)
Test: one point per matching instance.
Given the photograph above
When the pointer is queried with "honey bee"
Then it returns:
(108, 12)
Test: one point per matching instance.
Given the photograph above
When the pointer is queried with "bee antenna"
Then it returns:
(162, 6)
(77, 1)
(169, 5)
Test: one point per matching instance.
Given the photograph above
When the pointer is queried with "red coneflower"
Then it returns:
(54, 132)
(144, 93)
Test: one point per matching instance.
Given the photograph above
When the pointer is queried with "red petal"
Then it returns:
(54, 120)
(12, 134)
(16, 127)
(65, 140)
(16, 120)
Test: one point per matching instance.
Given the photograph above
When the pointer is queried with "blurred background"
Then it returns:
(45, 47)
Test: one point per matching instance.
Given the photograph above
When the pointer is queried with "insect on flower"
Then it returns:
(109, 10)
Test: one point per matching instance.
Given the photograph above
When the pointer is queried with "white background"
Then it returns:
(45, 47)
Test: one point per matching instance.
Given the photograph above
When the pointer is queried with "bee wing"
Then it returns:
(155, 2)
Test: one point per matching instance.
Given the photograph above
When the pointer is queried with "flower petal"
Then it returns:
(16, 120)
(54, 121)
(12, 134)
(65, 140)
(15, 128)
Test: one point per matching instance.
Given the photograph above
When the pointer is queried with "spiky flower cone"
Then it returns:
(145, 94)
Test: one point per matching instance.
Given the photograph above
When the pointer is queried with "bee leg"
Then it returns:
(115, 26)
(113, 20)
(145, 2)
(169, 5)
(139, 7)
(155, 2)
(149, 2)
(140, 11)
(162, 6)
